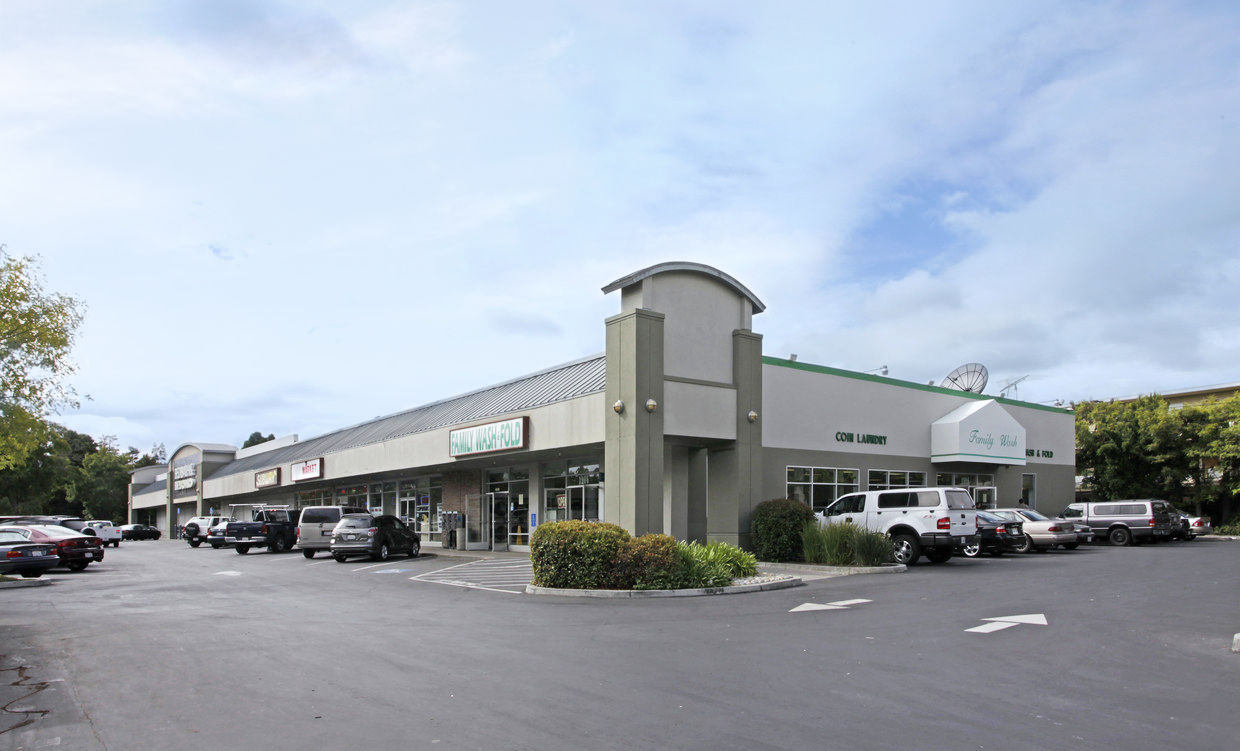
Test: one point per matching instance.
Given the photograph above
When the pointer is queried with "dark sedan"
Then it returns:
(375, 536)
(995, 536)
(139, 532)
(75, 551)
(19, 555)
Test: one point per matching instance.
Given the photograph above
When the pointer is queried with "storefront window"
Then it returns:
(818, 487)
(571, 491)
(980, 486)
(419, 505)
(888, 479)
(320, 497)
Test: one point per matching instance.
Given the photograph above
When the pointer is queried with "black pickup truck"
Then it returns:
(272, 528)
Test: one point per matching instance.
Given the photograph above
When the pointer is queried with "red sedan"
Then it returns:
(76, 550)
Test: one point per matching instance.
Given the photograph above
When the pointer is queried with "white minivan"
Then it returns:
(315, 525)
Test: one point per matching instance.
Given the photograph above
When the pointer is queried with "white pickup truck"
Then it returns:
(920, 521)
(106, 531)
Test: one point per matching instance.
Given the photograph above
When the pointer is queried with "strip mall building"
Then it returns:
(682, 426)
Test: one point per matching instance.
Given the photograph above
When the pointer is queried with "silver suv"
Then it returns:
(933, 521)
(1124, 522)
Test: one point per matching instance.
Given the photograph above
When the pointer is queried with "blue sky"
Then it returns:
(294, 217)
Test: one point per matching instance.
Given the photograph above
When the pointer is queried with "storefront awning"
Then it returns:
(981, 431)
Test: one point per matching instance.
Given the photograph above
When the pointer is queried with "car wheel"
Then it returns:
(1025, 545)
(195, 543)
(1190, 537)
(414, 549)
(31, 573)
(215, 546)
(277, 545)
(972, 551)
(339, 558)
(243, 549)
(939, 555)
(905, 549)
(383, 553)
(1120, 536)
(1071, 545)
(77, 565)
(307, 552)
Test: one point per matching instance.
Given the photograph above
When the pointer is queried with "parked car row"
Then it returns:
(72, 549)
(940, 522)
(341, 531)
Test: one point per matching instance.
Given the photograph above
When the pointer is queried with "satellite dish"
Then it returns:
(970, 377)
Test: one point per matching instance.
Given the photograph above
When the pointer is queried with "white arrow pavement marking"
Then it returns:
(1007, 621)
(986, 628)
(839, 605)
(1036, 619)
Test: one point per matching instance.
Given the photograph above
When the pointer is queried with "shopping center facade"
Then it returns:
(681, 426)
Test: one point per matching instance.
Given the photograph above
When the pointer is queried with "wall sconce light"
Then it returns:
(753, 416)
(618, 406)
(881, 370)
(651, 405)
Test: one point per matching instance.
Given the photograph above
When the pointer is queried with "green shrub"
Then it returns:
(737, 562)
(777, 527)
(647, 562)
(699, 573)
(871, 548)
(1228, 529)
(844, 544)
(576, 554)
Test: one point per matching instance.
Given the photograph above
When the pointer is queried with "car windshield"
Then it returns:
(356, 522)
(989, 517)
(7, 537)
(1034, 515)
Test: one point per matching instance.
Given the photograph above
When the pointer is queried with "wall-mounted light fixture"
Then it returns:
(651, 405)
(881, 370)
(618, 406)
(753, 416)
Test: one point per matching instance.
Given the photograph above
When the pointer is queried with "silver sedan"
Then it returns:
(1041, 533)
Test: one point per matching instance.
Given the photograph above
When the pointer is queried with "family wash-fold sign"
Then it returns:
(980, 431)
(493, 436)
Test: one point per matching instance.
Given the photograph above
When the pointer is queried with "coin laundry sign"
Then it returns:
(494, 436)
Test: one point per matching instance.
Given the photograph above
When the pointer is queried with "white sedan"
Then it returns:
(1041, 533)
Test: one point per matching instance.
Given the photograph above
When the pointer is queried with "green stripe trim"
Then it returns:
(824, 370)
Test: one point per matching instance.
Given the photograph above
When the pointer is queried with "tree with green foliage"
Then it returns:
(1144, 448)
(102, 482)
(257, 438)
(37, 330)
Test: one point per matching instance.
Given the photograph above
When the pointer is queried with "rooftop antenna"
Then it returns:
(971, 377)
(1011, 383)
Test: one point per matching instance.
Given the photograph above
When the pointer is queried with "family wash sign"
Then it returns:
(493, 436)
(980, 431)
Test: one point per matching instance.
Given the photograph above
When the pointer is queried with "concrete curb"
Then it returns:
(26, 583)
(635, 594)
(808, 568)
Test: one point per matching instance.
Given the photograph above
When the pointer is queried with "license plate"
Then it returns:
(326, 532)
(90, 555)
(37, 553)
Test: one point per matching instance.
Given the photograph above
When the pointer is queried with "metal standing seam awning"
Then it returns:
(982, 432)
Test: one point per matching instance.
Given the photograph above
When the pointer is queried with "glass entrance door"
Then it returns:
(583, 502)
(498, 505)
(984, 497)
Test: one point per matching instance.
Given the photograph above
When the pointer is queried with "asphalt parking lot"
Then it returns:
(165, 646)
